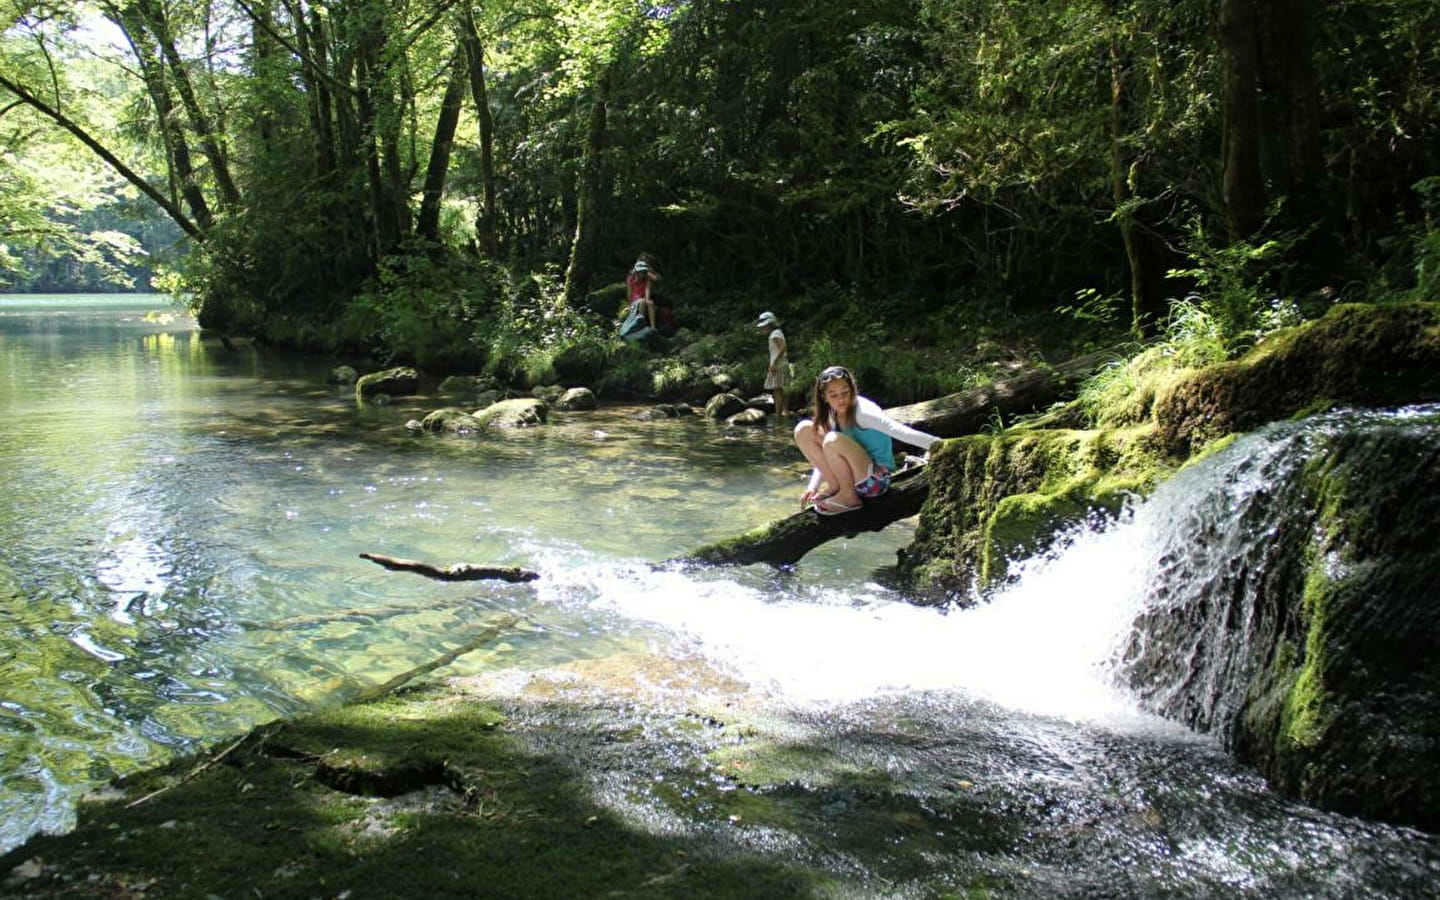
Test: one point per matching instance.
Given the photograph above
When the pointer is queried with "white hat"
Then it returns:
(641, 266)
(767, 318)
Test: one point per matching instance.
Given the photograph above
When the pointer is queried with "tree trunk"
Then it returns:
(428, 226)
(485, 223)
(1288, 27)
(784, 541)
(587, 213)
(314, 55)
(176, 214)
(1243, 185)
(384, 224)
(972, 411)
(1147, 276)
(182, 169)
(210, 144)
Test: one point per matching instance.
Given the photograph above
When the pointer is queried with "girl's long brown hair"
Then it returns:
(824, 417)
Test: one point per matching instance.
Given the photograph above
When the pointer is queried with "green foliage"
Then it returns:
(887, 173)
(426, 312)
(1427, 243)
(1234, 306)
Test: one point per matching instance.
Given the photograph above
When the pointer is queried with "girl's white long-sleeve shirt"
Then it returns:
(869, 416)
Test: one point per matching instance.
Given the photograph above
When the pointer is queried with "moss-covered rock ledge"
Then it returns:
(1003, 496)
(1331, 684)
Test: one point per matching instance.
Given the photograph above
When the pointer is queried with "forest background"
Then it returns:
(462, 186)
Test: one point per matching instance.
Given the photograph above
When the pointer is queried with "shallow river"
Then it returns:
(179, 559)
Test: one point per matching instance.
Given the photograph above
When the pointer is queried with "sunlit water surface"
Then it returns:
(179, 559)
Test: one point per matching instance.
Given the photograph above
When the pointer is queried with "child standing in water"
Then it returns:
(777, 376)
(849, 443)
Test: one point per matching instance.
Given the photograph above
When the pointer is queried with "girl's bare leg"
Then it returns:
(808, 440)
(849, 462)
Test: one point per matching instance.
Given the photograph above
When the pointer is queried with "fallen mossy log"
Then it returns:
(455, 572)
(784, 541)
(969, 412)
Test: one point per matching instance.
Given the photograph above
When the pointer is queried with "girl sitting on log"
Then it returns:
(849, 443)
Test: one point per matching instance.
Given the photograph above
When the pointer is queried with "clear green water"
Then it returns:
(168, 503)
(179, 539)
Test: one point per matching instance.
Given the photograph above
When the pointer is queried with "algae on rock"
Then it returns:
(1344, 712)
(994, 498)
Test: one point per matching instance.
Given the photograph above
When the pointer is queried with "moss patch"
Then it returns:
(995, 497)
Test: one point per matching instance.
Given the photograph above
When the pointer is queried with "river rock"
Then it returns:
(522, 412)
(396, 382)
(550, 393)
(345, 375)
(1304, 632)
(450, 421)
(467, 385)
(676, 381)
(580, 398)
(666, 411)
(723, 406)
(1332, 677)
(487, 398)
(748, 417)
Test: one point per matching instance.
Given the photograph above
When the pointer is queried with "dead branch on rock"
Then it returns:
(456, 572)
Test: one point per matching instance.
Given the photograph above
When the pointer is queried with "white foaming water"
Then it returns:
(1040, 645)
(1043, 644)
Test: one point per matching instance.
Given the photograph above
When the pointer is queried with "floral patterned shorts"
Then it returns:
(876, 482)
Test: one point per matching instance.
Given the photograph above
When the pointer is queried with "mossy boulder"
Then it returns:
(449, 421)
(723, 406)
(1000, 498)
(996, 498)
(1345, 709)
(577, 398)
(1354, 355)
(467, 385)
(395, 382)
(522, 412)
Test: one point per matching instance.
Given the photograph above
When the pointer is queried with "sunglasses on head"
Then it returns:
(833, 373)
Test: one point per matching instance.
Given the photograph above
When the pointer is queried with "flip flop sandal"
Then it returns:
(816, 501)
(832, 507)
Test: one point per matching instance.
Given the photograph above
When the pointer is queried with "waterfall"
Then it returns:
(1232, 540)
